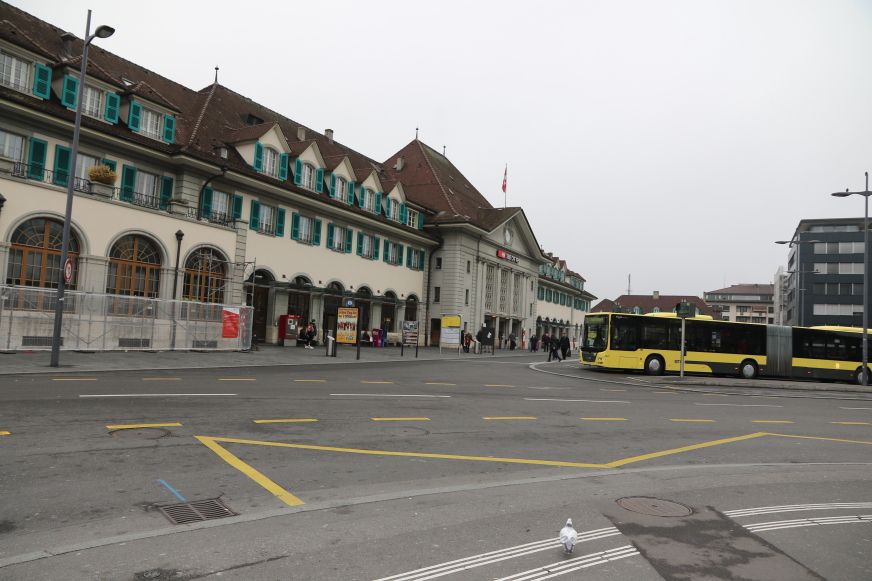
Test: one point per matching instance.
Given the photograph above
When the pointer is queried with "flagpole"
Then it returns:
(505, 180)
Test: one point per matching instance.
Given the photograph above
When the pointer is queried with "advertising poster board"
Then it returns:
(346, 326)
(410, 333)
(450, 331)
(230, 323)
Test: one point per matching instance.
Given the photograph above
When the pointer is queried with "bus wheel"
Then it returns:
(654, 365)
(748, 369)
(858, 376)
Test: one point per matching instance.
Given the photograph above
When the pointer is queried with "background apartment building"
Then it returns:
(743, 303)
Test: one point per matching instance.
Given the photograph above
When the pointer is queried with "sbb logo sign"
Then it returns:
(506, 256)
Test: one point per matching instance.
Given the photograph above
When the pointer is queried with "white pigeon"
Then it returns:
(568, 536)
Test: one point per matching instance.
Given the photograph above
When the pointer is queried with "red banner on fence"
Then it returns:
(230, 323)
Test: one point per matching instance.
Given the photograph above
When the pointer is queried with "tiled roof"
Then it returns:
(745, 289)
(247, 133)
(666, 303)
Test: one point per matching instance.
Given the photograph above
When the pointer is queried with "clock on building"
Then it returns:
(508, 235)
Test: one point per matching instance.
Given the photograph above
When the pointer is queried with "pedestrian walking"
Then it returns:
(546, 341)
(554, 349)
(512, 342)
(564, 346)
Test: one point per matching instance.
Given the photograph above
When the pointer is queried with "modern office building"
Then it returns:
(743, 303)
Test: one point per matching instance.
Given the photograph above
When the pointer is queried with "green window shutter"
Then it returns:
(316, 232)
(378, 206)
(361, 201)
(330, 229)
(541, 293)
(319, 180)
(237, 207)
(298, 171)
(332, 190)
(348, 238)
(70, 91)
(254, 215)
(207, 203)
(421, 258)
(295, 226)
(113, 106)
(280, 222)
(360, 243)
(134, 115)
(41, 81)
(61, 174)
(166, 191)
(409, 255)
(420, 221)
(386, 256)
(349, 192)
(36, 159)
(375, 244)
(169, 132)
(399, 253)
(258, 156)
(388, 203)
(110, 164)
(283, 166)
(404, 213)
(128, 183)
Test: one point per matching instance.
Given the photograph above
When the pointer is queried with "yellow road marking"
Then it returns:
(74, 379)
(130, 426)
(604, 419)
(497, 385)
(509, 418)
(651, 455)
(258, 477)
(437, 383)
(310, 380)
(287, 421)
(689, 420)
(237, 379)
(851, 423)
(4, 433)
(161, 379)
(376, 382)
(821, 438)
(771, 421)
(399, 419)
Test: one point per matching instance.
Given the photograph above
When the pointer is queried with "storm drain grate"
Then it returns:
(653, 506)
(199, 510)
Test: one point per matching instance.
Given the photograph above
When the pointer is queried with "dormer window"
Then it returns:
(14, 72)
(341, 189)
(308, 178)
(270, 162)
(150, 123)
(368, 201)
(92, 100)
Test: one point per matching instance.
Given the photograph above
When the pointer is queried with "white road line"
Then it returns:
(532, 387)
(473, 561)
(794, 508)
(564, 567)
(855, 408)
(582, 400)
(743, 405)
(155, 394)
(809, 522)
(384, 395)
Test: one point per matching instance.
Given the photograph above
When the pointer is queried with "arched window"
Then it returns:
(35, 256)
(205, 276)
(134, 267)
(411, 308)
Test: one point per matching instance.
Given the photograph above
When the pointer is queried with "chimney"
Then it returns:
(67, 39)
(401, 163)
(656, 295)
(329, 134)
(301, 134)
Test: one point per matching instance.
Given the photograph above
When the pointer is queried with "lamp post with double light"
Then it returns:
(864, 374)
(101, 32)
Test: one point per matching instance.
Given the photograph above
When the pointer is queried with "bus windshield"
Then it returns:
(596, 333)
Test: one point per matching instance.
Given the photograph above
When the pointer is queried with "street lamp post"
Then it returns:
(800, 288)
(101, 32)
(864, 374)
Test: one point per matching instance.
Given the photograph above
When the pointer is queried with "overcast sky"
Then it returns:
(674, 141)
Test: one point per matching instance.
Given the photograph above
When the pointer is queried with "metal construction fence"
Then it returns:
(103, 322)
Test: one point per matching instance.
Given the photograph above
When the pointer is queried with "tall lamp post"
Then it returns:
(101, 32)
(800, 288)
(864, 375)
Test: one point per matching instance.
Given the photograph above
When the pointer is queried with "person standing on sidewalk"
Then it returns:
(311, 333)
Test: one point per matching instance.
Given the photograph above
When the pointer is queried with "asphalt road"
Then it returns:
(425, 470)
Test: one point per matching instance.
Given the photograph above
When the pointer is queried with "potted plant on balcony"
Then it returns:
(102, 179)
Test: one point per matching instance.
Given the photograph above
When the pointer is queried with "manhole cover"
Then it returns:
(654, 506)
(198, 510)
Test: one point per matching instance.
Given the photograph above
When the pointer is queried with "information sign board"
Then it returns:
(410, 332)
(450, 331)
(346, 326)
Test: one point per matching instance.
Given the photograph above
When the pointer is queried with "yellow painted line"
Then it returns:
(437, 383)
(399, 419)
(771, 421)
(310, 380)
(509, 418)
(851, 423)
(287, 421)
(821, 438)
(377, 382)
(258, 477)
(131, 426)
(74, 379)
(161, 379)
(5, 433)
(651, 455)
(497, 385)
(690, 420)
(237, 379)
(604, 419)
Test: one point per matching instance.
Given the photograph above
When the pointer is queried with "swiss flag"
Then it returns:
(505, 178)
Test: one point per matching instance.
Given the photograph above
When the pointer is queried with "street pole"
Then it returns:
(101, 32)
(683, 350)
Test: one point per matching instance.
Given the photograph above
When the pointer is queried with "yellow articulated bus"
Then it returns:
(651, 343)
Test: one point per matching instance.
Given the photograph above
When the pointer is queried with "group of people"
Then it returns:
(557, 347)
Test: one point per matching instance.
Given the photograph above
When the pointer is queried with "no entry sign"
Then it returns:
(68, 271)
